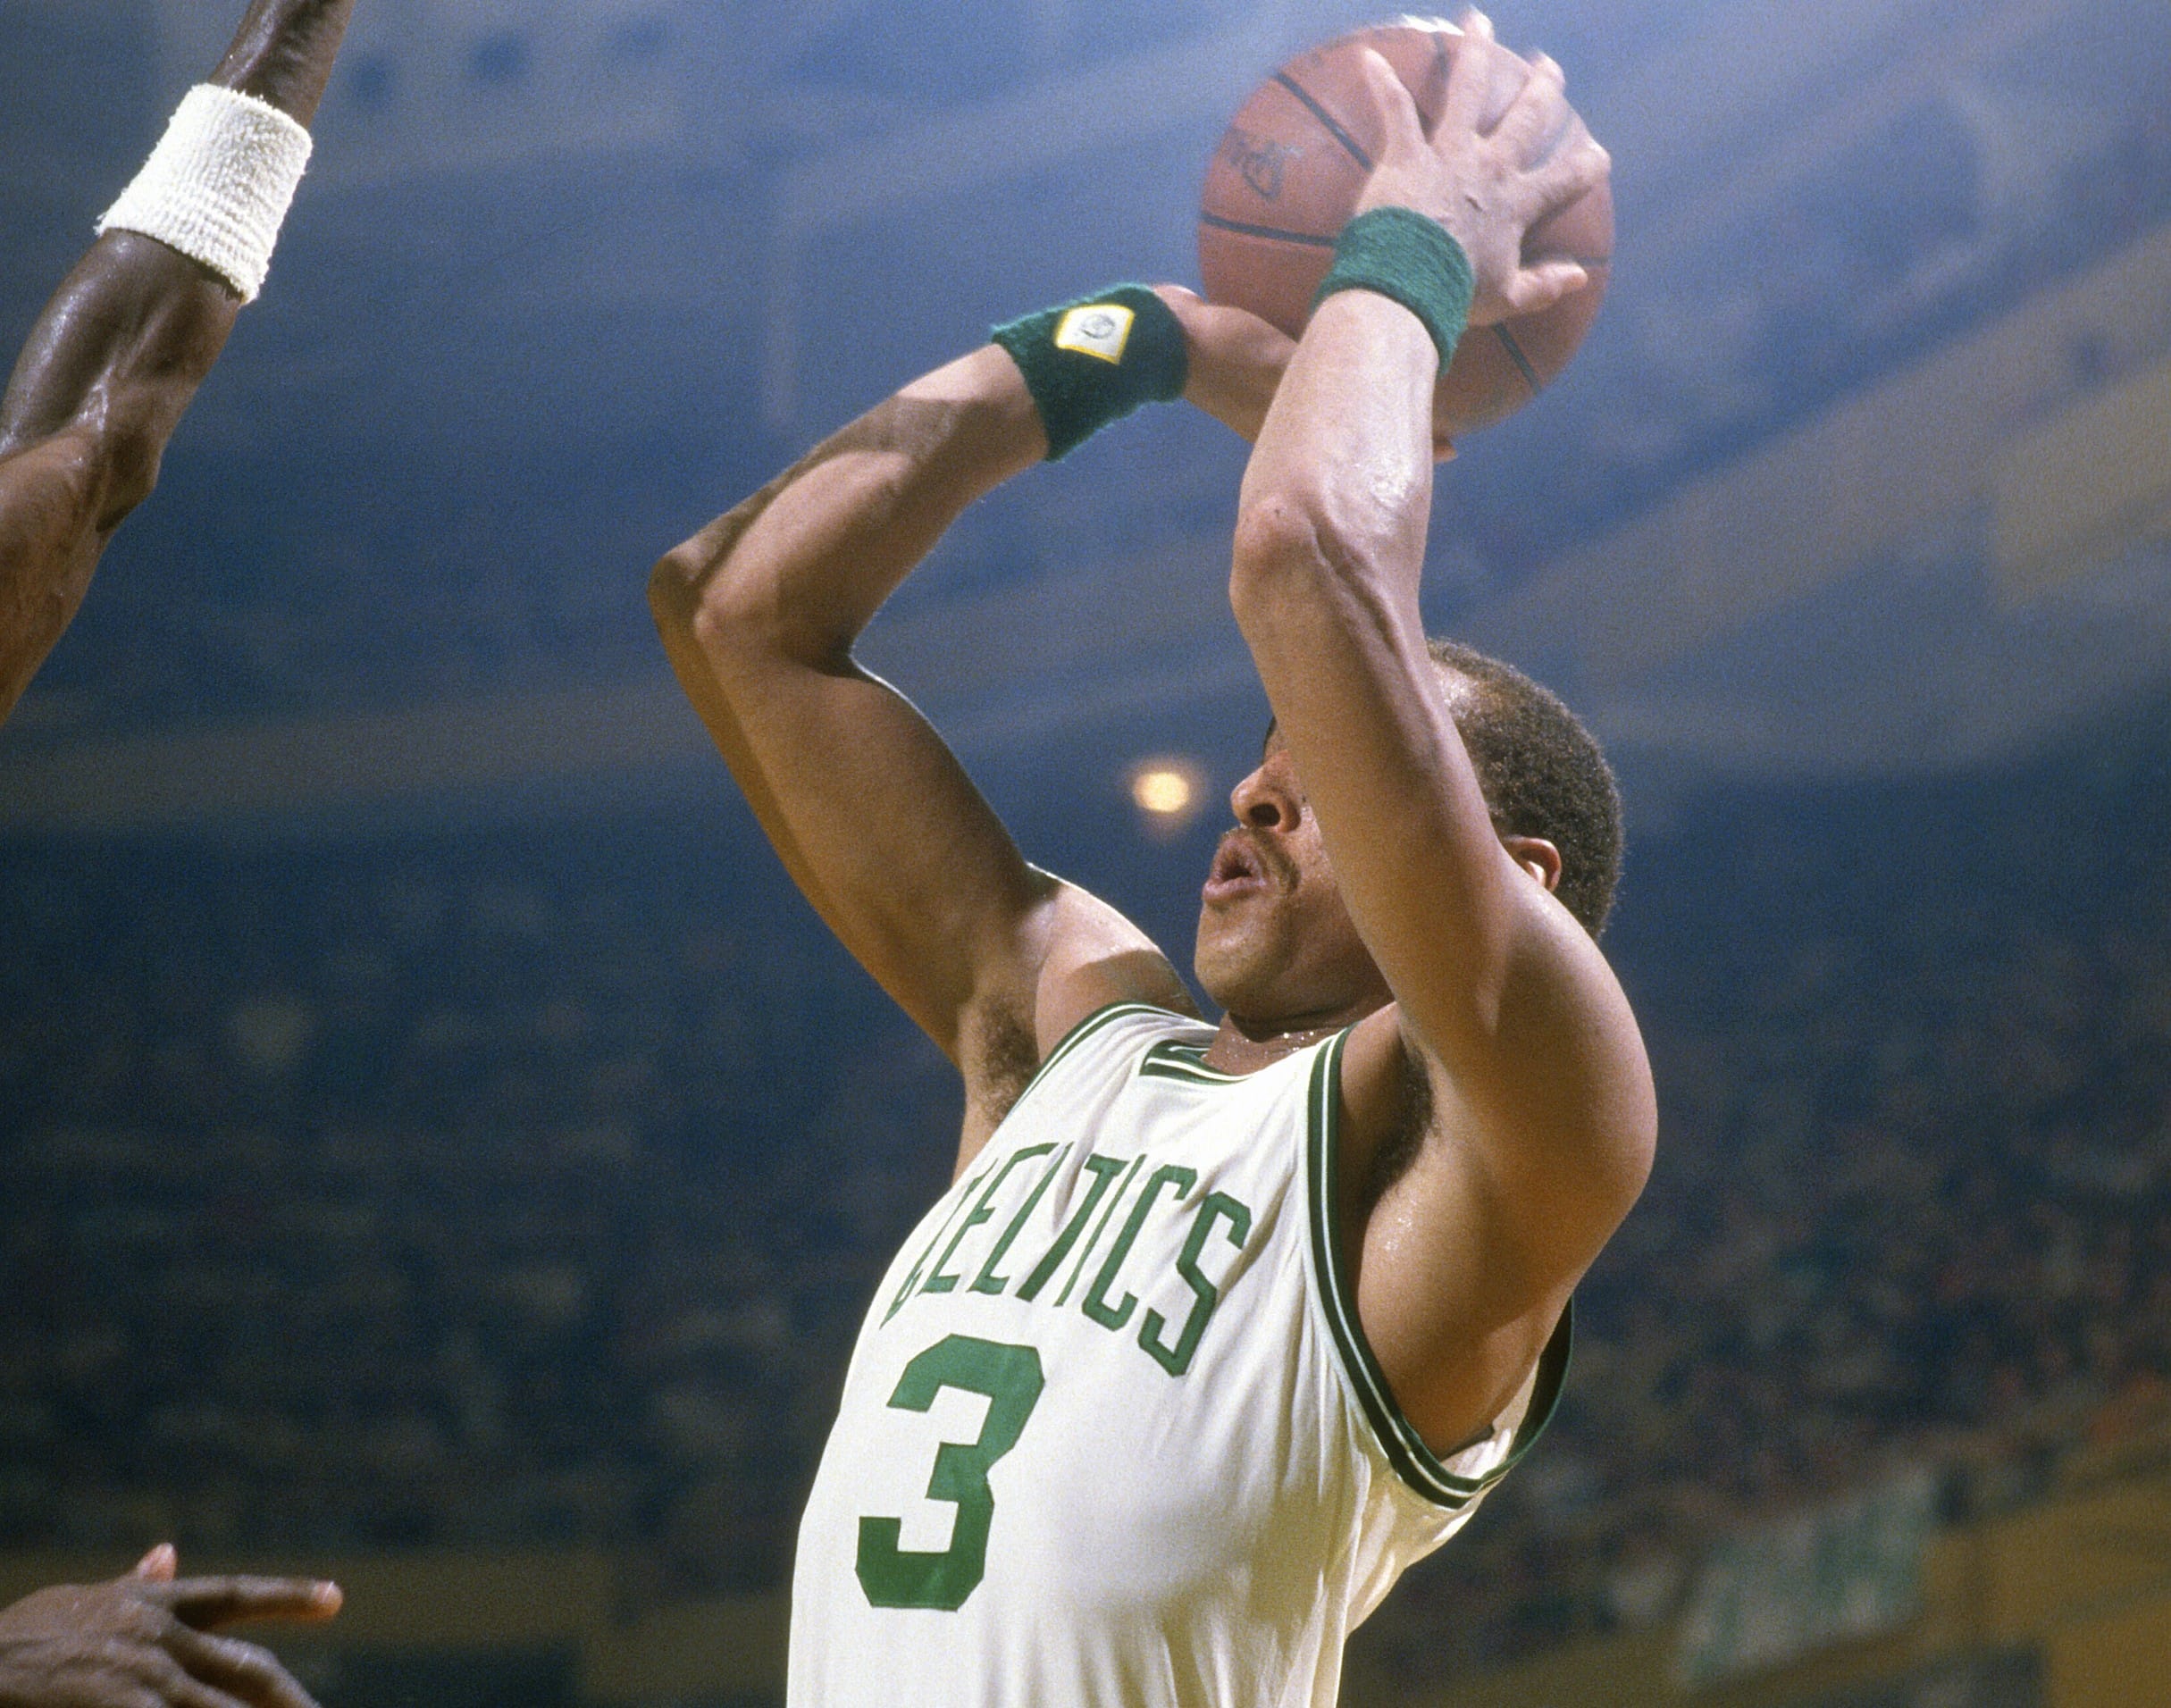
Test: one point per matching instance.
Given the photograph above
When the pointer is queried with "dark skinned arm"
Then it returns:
(869, 811)
(112, 362)
(101, 384)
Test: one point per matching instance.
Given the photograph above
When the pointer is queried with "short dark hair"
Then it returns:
(1542, 772)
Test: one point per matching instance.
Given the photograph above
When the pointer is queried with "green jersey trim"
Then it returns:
(1169, 1060)
(1077, 1035)
(1417, 1465)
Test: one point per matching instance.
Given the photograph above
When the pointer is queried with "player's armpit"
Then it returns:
(1468, 1240)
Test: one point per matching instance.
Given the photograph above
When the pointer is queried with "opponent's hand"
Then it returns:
(1486, 188)
(145, 1640)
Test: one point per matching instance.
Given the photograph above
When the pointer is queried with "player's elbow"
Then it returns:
(733, 618)
(691, 599)
(130, 454)
(675, 584)
(1278, 539)
(1296, 545)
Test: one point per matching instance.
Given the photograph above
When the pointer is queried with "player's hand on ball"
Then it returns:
(1236, 363)
(144, 1640)
(1487, 187)
(1234, 360)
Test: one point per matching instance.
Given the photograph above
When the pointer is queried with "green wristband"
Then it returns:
(1409, 259)
(1095, 360)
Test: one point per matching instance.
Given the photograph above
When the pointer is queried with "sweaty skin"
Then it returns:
(1498, 1115)
(109, 367)
(113, 361)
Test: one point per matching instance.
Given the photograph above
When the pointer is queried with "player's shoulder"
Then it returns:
(1088, 961)
(1094, 959)
(1108, 1038)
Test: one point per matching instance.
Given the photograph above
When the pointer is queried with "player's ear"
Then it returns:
(1537, 857)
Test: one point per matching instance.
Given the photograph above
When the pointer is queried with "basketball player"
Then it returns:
(121, 347)
(108, 370)
(1220, 1327)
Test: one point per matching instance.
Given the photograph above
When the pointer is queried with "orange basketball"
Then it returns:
(1285, 179)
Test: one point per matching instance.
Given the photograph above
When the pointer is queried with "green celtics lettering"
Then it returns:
(1082, 1267)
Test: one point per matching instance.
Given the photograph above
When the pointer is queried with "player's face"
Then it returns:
(1276, 947)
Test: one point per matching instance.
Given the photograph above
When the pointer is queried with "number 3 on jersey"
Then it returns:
(1010, 1379)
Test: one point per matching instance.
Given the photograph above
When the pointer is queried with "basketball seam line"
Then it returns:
(1326, 119)
(1242, 229)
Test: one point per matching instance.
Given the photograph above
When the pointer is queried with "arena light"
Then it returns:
(1169, 791)
(1162, 791)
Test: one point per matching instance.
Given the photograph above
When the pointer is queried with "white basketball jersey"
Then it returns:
(1112, 1436)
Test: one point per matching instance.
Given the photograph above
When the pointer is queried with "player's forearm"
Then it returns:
(1330, 535)
(1346, 448)
(46, 555)
(136, 327)
(283, 52)
(794, 573)
(114, 360)
(1329, 547)
(97, 393)
(112, 363)
(1330, 520)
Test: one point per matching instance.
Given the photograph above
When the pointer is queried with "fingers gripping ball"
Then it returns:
(1286, 177)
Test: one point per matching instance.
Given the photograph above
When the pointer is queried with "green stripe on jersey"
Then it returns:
(1169, 1059)
(1413, 1462)
(1077, 1035)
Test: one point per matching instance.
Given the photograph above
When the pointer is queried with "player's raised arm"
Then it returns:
(870, 811)
(121, 349)
(1543, 1116)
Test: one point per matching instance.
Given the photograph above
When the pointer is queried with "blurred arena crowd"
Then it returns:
(492, 1188)
(1913, 1200)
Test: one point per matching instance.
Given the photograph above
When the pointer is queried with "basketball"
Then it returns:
(1285, 178)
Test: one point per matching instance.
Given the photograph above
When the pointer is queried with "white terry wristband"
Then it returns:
(219, 183)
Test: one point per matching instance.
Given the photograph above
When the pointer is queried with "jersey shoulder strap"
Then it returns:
(1463, 1476)
(1117, 1030)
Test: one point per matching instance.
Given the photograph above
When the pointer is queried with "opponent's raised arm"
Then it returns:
(131, 334)
(1539, 1072)
(872, 813)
